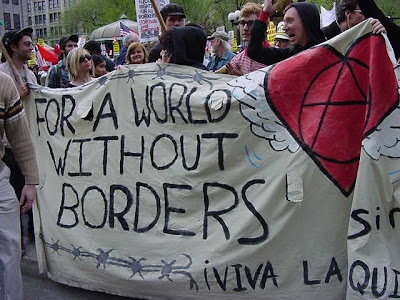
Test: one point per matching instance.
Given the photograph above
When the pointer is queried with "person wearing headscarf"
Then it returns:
(302, 25)
(184, 46)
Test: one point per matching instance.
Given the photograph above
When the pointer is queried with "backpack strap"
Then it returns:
(57, 76)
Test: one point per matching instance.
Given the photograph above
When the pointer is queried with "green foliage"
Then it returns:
(91, 14)
(390, 8)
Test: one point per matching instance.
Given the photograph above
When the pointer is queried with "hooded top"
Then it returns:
(189, 46)
(309, 15)
(310, 18)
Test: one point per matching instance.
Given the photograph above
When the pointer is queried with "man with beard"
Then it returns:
(58, 74)
(222, 50)
(19, 46)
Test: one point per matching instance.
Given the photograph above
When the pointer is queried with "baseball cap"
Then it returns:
(219, 35)
(13, 35)
(280, 33)
(72, 37)
(172, 9)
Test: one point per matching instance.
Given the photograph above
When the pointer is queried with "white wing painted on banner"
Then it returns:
(249, 91)
(385, 140)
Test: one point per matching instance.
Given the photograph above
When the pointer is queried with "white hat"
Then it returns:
(280, 33)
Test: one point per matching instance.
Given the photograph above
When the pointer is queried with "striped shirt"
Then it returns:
(13, 122)
(245, 64)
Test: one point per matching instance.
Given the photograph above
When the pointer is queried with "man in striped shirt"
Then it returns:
(13, 123)
(241, 63)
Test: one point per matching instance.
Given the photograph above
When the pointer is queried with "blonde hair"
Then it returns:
(250, 8)
(130, 50)
(72, 62)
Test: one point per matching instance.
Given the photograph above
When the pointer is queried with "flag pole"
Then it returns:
(159, 17)
(10, 63)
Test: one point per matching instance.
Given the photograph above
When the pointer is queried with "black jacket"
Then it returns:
(371, 10)
(189, 46)
(267, 55)
(331, 30)
(155, 53)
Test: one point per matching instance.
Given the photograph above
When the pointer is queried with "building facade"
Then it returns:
(13, 14)
(44, 16)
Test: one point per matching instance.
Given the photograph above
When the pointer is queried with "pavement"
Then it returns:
(40, 287)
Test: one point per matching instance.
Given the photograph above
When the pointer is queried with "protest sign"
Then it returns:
(165, 181)
(148, 25)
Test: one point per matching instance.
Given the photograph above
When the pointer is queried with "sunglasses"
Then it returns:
(86, 56)
(244, 23)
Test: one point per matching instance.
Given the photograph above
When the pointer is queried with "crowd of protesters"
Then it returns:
(181, 44)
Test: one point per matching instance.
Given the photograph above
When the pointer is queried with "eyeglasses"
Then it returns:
(86, 56)
(244, 23)
(358, 10)
(28, 44)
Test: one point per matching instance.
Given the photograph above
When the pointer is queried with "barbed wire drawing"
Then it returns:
(104, 257)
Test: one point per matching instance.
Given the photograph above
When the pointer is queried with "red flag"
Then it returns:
(48, 55)
(57, 49)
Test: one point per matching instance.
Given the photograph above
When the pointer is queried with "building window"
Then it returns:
(6, 1)
(58, 3)
(17, 21)
(7, 21)
(40, 19)
(35, 5)
(43, 5)
(15, 2)
(51, 18)
(29, 20)
(44, 19)
(29, 7)
(45, 31)
(37, 33)
(36, 20)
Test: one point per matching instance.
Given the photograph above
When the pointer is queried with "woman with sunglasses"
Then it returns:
(79, 66)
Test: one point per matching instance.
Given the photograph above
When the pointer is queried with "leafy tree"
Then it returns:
(91, 14)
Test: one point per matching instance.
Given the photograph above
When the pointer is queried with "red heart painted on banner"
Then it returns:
(330, 121)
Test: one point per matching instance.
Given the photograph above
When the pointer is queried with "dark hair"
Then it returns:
(343, 6)
(12, 38)
(310, 18)
(93, 47)
(97, 59)
(167, 41)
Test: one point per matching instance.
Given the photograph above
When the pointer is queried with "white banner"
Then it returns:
(165, 181)
(148, 25)
(328, 16)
